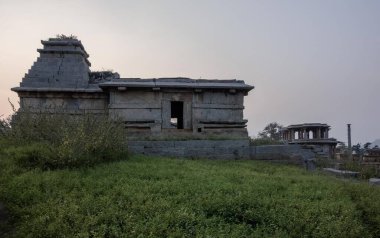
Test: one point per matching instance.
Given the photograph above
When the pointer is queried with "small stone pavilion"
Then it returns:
(311, 134)
(60, 80)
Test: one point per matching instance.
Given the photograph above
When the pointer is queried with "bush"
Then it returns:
(366, 171)
(322, 162)
(158, 197)
(34, 155)
(51, 141)
(264, 141)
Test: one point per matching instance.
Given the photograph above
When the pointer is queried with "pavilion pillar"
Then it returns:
(318, 133)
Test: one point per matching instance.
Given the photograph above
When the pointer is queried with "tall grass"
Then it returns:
(59, 140)
(158, 197)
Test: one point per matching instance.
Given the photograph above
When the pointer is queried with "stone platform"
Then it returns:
(210, 149)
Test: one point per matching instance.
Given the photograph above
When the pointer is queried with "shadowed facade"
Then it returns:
(60, 81)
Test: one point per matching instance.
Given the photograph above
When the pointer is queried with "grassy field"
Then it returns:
(160, 197)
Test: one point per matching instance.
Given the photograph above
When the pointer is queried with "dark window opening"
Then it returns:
(176, 114)
(199, 129)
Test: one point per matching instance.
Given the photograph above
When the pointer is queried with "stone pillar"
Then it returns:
(318, 133)
(349, 141)
(327, 133)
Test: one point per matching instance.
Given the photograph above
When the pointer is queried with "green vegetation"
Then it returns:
(366, 171)
(271, 131)
(65, 37)
(53, 184)
(270, 135)
(264, 141)
(159, 197)
(51, 141)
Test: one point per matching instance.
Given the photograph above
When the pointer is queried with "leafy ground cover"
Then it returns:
(161, 197)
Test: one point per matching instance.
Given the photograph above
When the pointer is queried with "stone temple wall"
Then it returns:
(205, 113)
(289, 154)
(211, 149)
(205, 116)
(64, 102)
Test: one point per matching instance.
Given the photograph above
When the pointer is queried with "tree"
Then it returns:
(367, 145)
(357, 149)
(271, 131)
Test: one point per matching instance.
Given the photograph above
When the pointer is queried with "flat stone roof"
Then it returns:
(306, 125)
(177, 83)
(48, 89)
(63, 42)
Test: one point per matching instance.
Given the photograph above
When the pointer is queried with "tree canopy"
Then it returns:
(271, 131)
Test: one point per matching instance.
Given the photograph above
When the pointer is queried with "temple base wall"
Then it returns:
(210, 149)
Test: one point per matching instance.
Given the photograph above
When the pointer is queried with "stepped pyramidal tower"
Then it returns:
(63, 63)
(59, 80)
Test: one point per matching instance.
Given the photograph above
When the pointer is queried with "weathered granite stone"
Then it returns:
(165, 109)
(212, 149)
(345, 173)
(374, 181)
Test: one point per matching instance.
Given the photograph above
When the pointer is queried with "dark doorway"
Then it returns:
(176, 114)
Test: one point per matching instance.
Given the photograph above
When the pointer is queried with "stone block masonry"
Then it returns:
(210, 149)
(60, 81)
(290, 154)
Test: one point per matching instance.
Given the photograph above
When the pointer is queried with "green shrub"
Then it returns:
(264, 141)
(366, 171)
(158, 197)
(34, 155)
(51, 141)
(322, 162)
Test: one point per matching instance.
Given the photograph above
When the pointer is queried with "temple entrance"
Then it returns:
(176, 111)
(176, 114)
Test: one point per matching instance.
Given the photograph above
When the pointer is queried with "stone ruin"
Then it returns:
(162, 116)
(60, 80)
(311, 135)
(301, 145)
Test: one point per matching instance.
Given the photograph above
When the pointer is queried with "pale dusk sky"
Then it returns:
(310, 61)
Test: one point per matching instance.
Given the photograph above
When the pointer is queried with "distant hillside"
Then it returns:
(376, 142)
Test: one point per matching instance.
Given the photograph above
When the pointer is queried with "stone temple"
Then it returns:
(312, 135)
(60, 80)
